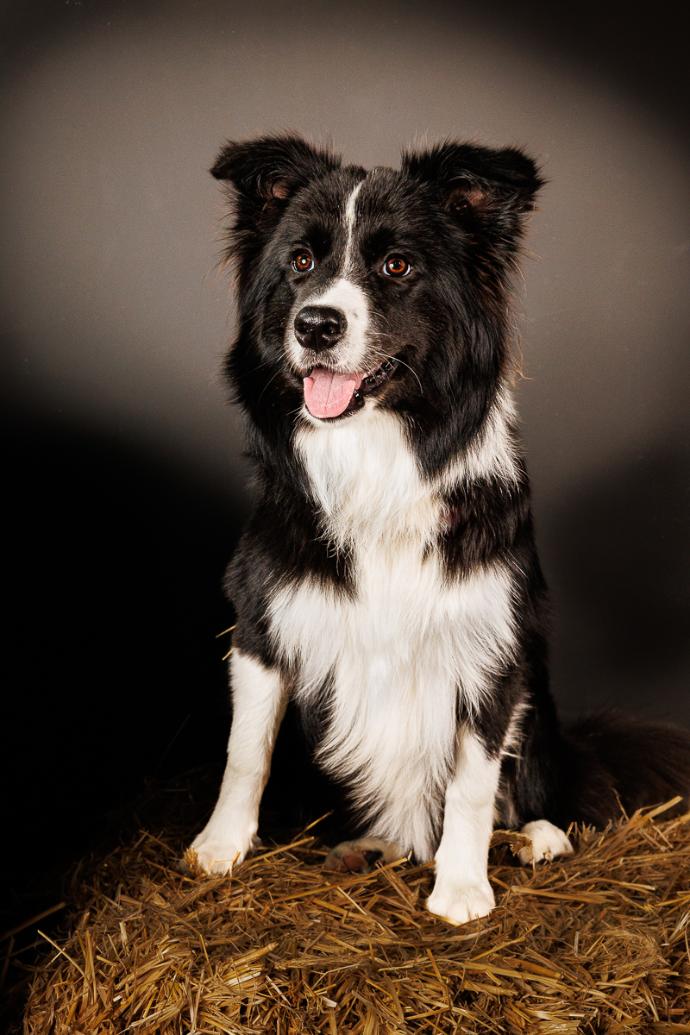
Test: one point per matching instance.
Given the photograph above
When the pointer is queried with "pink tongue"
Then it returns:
(327, 394)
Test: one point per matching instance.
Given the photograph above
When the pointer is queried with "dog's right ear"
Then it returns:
(266, 173)
(489, 189)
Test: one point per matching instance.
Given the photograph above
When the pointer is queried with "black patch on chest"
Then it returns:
(282, 543)
(484, 520)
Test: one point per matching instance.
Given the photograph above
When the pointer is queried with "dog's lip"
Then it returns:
(379, 375)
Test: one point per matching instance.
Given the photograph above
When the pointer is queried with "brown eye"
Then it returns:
(396, 266)
(302, 262)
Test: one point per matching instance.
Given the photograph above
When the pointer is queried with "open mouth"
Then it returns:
(329, 394)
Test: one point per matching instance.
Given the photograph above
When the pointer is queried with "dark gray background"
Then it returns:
(115, 315)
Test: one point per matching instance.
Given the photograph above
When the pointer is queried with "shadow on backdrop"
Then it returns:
(117, 683)
(622, 604)
(117, 676)
(646, 59)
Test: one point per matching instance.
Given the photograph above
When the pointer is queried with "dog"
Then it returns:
(388, 580)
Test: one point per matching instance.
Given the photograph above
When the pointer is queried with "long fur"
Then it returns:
(388, 578)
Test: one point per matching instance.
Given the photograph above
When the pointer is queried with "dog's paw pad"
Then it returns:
(546, 843)
(360, 856)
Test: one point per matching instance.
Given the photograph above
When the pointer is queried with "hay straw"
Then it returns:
(596, 944)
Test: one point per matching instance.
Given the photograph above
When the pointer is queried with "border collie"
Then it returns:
(388, 579)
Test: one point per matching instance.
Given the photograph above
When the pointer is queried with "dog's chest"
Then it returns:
(407, 637)
(393, 658)
(376, 506)
(379, 666)
(398, 608)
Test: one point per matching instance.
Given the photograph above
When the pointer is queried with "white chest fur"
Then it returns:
(399, 654)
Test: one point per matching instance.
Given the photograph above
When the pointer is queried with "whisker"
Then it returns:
(412, 371)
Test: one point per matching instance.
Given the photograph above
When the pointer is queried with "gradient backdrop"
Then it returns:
(130, 482)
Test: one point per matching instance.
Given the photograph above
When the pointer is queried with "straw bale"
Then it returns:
(596, 944)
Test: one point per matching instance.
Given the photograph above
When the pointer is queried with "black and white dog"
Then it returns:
(388, 579)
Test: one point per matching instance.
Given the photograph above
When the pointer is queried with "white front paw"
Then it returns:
(460, 903)
(214, 853)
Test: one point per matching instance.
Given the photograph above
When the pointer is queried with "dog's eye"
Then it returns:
(302, 261)
(396, 266)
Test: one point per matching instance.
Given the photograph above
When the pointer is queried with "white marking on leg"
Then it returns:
(547, 842)
(259, 699)
(462, 891)
(512, 741)
(505, 811)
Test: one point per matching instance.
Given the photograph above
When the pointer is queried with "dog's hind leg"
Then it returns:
(546, 842)
(259, 699)
(361, 855)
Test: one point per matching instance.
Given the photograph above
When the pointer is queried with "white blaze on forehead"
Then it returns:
(349, 221)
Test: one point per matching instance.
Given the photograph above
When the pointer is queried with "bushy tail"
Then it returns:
(615, 761)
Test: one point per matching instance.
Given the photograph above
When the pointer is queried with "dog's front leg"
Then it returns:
(259, 698)
(462, 891)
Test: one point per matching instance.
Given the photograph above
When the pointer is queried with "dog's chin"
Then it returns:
(332, 396)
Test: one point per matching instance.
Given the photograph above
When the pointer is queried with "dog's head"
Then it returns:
(383, 288)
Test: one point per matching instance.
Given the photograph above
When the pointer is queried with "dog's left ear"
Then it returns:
(264, 176)
(478, 184)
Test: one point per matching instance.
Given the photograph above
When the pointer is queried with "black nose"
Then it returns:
(317, 327)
